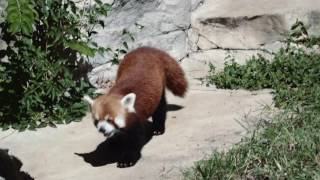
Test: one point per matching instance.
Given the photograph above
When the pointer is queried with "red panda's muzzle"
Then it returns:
(108, 129)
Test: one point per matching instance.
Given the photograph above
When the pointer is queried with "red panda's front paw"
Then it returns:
(125, 164)
(129, 159)
(158, 132)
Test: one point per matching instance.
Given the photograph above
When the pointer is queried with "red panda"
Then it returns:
(138, 93)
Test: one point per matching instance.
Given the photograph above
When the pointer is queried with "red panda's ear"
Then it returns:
(128, 102)
(88, 99)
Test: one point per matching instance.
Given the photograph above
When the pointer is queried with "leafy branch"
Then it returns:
(21, 16)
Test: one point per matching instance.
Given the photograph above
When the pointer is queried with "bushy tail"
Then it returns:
(175, 78)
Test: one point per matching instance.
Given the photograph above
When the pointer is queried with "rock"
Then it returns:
(192, 40)
(205, 44)
(194, 69)
(246, 24)
(161, 24)
(103, 76)
(108, 1)
(198, 61)
(197, 42)
(173, 43)
(3, 5)
(195, 4)
(274, 47)
(88, 3)
(3, 44)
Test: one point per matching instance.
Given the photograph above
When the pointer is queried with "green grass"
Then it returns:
(288, 145)
(286, 148)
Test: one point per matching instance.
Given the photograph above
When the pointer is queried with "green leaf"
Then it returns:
(21, 16)
(81, 47)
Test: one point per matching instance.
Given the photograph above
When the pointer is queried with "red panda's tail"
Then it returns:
(175, 78)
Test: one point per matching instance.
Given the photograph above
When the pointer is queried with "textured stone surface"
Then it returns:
(102, 76)
(3, 4)
(195, 31)
(196, 65)
(160, 24)
(246, 24)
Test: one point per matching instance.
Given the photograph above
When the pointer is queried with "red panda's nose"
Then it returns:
(102, 130)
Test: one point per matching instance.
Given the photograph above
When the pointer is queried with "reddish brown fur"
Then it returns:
(106, 105)
(146, 72)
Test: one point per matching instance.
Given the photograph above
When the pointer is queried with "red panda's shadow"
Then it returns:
(10, 167)
(110, 151)
(173, 107)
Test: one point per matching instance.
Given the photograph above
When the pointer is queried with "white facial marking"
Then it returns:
(128, 102)
(96, 116)
(100, 91)
(108, 128)
(88, 99)
(120, 121)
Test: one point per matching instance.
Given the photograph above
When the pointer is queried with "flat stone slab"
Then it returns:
(208, 120)
(247, 24)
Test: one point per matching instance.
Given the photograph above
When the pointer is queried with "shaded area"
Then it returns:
(174, 107)
(110, 151)
(10, 167)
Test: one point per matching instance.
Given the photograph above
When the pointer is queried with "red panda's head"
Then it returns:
(109, 112)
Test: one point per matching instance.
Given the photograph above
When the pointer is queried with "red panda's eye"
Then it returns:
(95, 122)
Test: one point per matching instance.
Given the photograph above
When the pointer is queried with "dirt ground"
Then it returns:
(207, 119)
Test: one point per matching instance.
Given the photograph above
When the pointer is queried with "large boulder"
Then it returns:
(247, 24)
(244, 28)
(156, 23)
(162, 24)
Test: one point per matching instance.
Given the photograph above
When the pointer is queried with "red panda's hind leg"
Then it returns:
(159, 117)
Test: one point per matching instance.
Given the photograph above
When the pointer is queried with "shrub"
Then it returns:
(292, 73)
(42, 82)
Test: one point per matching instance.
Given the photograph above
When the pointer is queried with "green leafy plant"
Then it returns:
(291, 74)
(43, 79)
